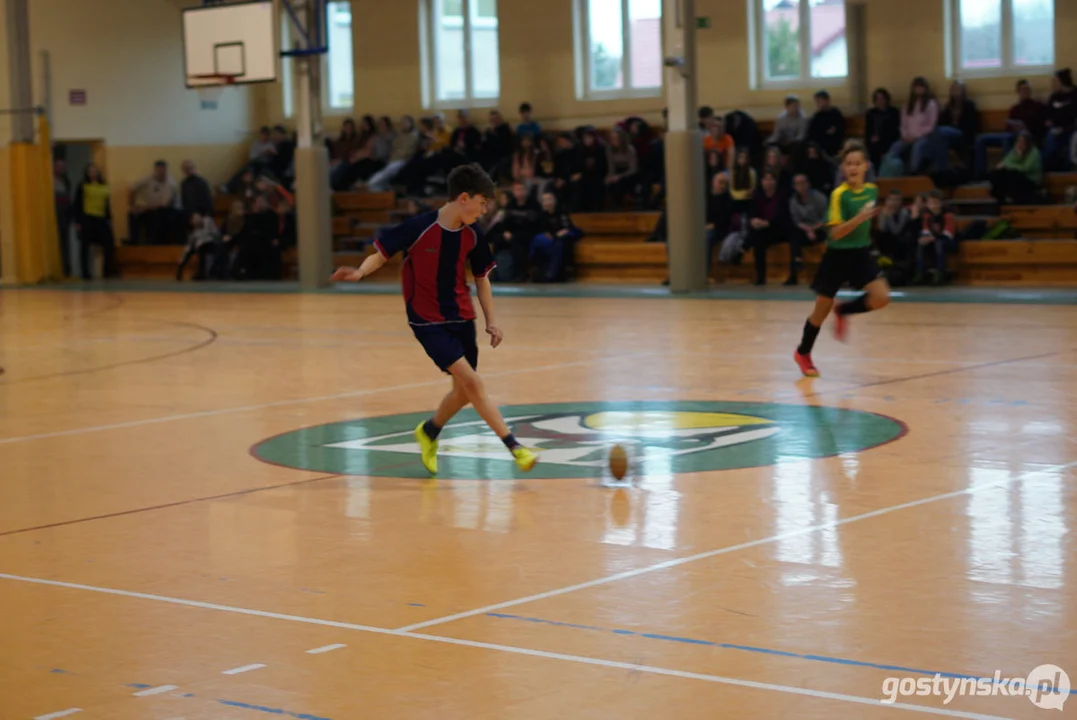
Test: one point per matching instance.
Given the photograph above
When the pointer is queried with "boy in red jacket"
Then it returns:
(937, 235)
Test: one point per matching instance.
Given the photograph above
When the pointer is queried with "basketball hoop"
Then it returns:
(210, 88)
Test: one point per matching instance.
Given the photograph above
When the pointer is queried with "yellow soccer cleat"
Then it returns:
(525, 459)
(429, 449)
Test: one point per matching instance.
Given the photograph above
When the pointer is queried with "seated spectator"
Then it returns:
(258, 254)
(466, 138)
(937, 236)
(230, 231)
(281, 164)
(196, 196)
(1018, 179)
(92, 214)
(895, 229)
(791, 127)
(820, 170)
(640, 135)
(527, 126)
(519, 224)
(827, 126)
(524, 161)
(423, 162)
(555, 244)
(155, 207)
(743, 180)
(568, 173)
(882, 126)
(919, 119)
(717, 140)
(405, 144)
(959, 124)
(497, 147)
(345, 173)
(705, 117)
(203, 240)
(622, 167)
(775, 163)
(341, 149)
(719, 215)
(595, 169)
(262, 150)
(1061, 121)
(1029, 114)
(544, 164)
(441, 133)
(744, 130)
(768, 224)
(808, 216)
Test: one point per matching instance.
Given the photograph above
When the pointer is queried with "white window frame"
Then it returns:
(757, 57)
(327, 108)
(584, 70)
(428, 54)
(954, 68)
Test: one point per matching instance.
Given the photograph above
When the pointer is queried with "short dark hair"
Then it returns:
(896, 192)
(471, 179)
(160, 163)
(706, 112)
(853, 146)
(790, 99)
(935, 195)
(264, 129)
(525, 107)
(1065, 76)
(1023, 83)
(822, 95)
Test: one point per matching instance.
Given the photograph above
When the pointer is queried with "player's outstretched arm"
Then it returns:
(486, 302)
(351, 274)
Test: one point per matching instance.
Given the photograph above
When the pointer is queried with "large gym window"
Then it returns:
(618, 48)
(461, 57)
(338, 72)
(795, 42)
(1000, 37)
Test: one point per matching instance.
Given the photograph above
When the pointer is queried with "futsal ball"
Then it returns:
(618, 462)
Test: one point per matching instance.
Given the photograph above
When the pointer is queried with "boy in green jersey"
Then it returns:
(848, 257)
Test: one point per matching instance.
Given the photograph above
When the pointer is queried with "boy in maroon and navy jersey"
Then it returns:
(438, 247)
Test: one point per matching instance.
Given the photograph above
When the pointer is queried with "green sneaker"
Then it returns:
(429, 449)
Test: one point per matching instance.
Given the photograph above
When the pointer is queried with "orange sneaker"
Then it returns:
(806, 365)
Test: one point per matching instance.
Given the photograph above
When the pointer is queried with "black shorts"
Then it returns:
(446, 343)
(854, 266)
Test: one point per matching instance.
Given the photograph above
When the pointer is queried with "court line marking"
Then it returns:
(325, 649)
(579, 659)
(62, 713)
(155, 691)
(243, 669)
(302, 401)
(676, 562)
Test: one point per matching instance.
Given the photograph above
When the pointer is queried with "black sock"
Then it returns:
(807, 340)
(432, 429)
(510, 441)
(860, 305)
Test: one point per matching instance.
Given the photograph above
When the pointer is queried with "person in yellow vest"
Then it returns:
(93, 221)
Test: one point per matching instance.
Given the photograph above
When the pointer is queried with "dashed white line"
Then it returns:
(62, 713)
(325, 649)
(155, 691)
(245, 668)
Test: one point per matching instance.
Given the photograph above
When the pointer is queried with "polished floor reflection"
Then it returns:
(209, 508)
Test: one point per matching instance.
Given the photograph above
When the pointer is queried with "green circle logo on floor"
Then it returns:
(573, 439)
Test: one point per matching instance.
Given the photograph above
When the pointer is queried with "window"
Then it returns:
(999, 37)
(339, 69)
(797, 41)
(461, 56)
(618, 48)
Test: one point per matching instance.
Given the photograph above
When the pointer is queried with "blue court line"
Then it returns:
(748, 648)
(245, 706)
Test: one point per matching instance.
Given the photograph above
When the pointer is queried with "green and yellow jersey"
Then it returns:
(845, 203)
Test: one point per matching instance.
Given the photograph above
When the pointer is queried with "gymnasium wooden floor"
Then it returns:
(209, 510)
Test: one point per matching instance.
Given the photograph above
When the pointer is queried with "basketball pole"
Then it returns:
(313, 196)
(685, 191)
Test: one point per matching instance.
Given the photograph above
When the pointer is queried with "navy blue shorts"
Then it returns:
(446, 343)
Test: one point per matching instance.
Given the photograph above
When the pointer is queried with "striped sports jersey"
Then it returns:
(845, 204)
(434, 276)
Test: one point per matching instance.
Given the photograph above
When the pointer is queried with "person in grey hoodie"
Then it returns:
(404, 145)
(808, 211)
(790, 128)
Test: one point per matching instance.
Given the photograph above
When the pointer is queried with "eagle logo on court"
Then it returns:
(573, 439)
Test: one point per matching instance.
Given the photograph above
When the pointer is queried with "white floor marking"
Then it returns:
(243, 669)
(155, 691)
(302, 401)
(730, 548)
(325, 649)
(598, 662)
(407, 632)
(62, 713)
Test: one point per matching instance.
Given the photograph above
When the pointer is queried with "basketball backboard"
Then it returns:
(238, 40)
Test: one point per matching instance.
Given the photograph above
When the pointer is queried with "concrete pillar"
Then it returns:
(685, 208)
